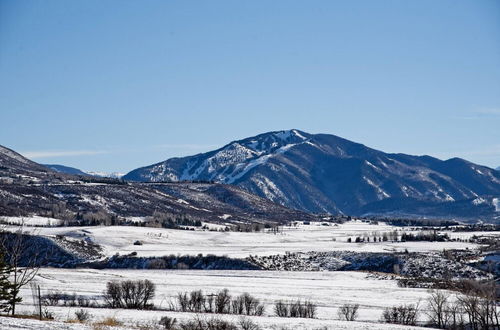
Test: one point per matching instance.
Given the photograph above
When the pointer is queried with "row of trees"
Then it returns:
(221, 303)
(476, 309)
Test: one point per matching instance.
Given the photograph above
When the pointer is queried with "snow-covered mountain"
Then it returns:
(326, 173)
(76, 171)
(65, 169)
(114, 175)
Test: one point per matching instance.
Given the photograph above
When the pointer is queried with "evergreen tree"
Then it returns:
(6, 287)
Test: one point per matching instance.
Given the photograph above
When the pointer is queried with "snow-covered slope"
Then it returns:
(65, 169)
(76, 171)
(325, 173)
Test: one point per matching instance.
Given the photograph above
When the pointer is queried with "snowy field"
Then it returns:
(328, 290)
(31, 221)
(304, 238)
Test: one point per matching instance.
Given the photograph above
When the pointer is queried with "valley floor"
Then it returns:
(328, 290)
(300, 238)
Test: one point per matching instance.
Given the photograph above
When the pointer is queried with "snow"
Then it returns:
(136, 219)
(31, 221)
(9, 323)
(283, 135)
(300, 238)
(479, 201)
(464, 235)
(380, 192)
(14, 155)
(115, 175)
(298, 134)
(268, 188)
(238, 158)
(328, 290)
(373, 166)
(496, 203)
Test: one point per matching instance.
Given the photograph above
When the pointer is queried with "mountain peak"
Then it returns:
(326, 173)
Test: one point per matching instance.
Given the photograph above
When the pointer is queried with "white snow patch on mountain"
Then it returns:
(381, 194)
(239, 172)
(270, 190)
(496, 203)
(371, 165)
(479, 201)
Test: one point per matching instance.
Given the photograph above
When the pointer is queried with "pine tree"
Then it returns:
(6, 287)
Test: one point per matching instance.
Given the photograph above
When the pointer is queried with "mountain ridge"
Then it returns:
(327, 173)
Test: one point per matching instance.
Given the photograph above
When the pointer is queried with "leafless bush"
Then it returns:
(168, 323)
(438, 306)
(295, 309)
(183, 300)
(281, 309)
(481, 307)
(348, 312)
(207, 324)
(82, 315)
(52, 298)
(47, 314)
(402, 314)
(222, 302)
(69, 299)
(129, 294)
(196, 301)
(247, 324)
(247, 304)
(237, 305)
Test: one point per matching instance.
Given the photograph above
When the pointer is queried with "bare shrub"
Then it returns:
(207, 324)
(438, 307)
(183, 300)
(52, 298)
(82, 315)
(222, 302)
(402, 314)
(129, 294)
(108, 322)
(168, 323)
(481, 307)
(348, 312)
(296, 308)
(281, 309)
(196, 301)
(247, 324)
(237, 305)
(47, 314)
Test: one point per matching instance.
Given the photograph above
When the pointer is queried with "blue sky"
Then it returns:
(114, 85)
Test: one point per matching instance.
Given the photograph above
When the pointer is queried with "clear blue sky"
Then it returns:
(114, 85)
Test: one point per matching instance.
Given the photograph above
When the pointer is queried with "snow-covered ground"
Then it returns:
(7, 323)
(301, 238)
(31, 221)
(328, 290)
(469, 234)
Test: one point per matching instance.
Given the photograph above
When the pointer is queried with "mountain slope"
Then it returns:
(28, 188)
(65, 169)
(326, 173)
